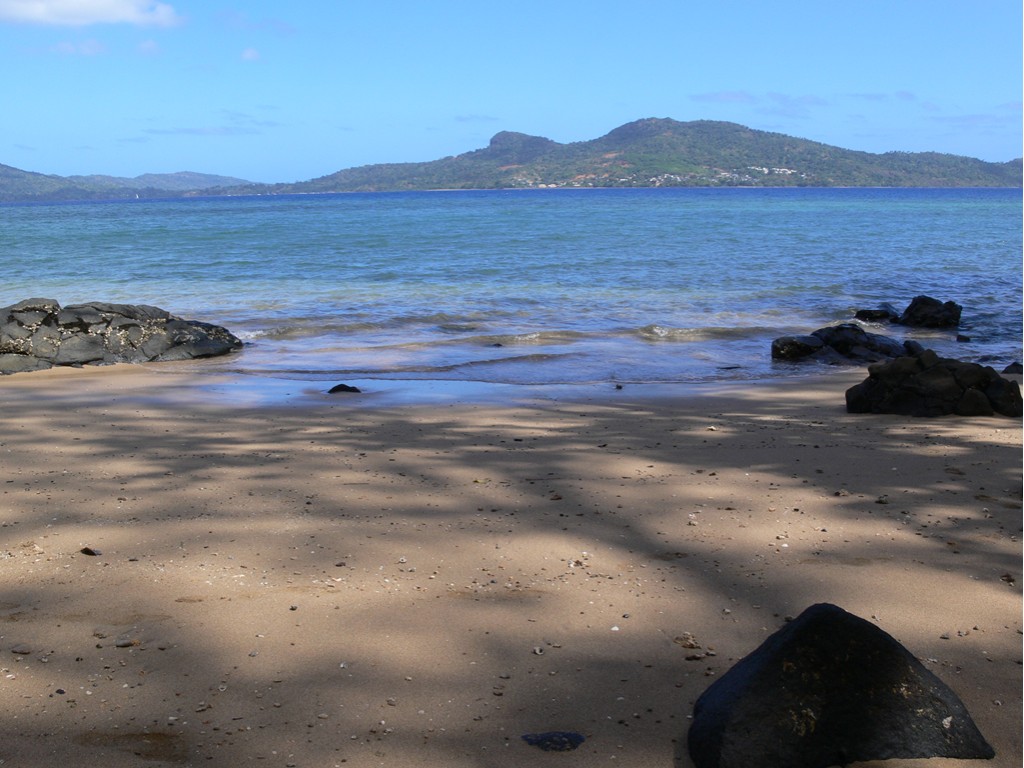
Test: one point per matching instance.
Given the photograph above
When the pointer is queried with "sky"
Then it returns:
(279, 92)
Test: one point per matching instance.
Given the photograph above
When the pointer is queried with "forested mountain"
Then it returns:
(646, 153)
(25, 186)
(661, 152)
(183, 181)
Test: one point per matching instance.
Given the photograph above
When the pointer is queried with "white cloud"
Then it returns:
(79, 13)
(250, 54)
(83, 48)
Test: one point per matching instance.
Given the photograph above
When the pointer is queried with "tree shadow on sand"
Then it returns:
(339, 585)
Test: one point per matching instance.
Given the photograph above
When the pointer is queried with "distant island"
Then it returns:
(653, 152)
(17, 186)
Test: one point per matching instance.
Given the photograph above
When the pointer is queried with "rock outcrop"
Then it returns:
(926, 312)
(922, 312)
(928, 385)
(829, 688)
(845, 344)
(36, 334)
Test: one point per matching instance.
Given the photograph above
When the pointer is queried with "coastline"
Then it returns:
(183, 383)
(367, 580)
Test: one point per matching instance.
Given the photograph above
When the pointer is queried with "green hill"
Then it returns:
(646, 153)
(183, 181)
(25, 186)
(661, 152)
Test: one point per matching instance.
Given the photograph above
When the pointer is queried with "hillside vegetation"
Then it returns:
(17, 186)
(646, 153)
(661, 152)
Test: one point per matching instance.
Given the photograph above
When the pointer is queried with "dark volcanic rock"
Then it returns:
(829, 689)
(845, 344)
(37, 333)
(885, 313)
(342, 388)
(796, 347)
(922, 312)
(926, 312)
(10, 363)
(928, 385)
(874, 315)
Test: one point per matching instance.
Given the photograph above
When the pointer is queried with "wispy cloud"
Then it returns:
(874, 97)
(242, 21)
(207, 130)
(476, 119)
(786, 105)
(250, 54)
(244, 118)
(774, 104)
(231, 123)
(82, 48)
(976, 121)
(725, 97)
(80, 13)
(881, 97)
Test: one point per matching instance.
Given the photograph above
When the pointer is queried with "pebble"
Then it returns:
(687, 640)
(554, 741)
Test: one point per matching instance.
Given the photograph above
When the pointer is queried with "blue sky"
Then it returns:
(273, 91)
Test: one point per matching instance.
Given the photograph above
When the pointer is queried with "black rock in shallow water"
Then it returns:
(922, 312)
(926, 312)
(875, 315)
(827, 689)
(844, 344)
(36, 334)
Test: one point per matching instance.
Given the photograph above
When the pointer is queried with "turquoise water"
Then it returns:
(538, 286)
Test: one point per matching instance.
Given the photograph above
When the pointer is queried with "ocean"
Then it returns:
(534, 286)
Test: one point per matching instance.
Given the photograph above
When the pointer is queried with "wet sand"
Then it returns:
(368, 580)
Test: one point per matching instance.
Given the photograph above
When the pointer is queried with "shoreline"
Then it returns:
(367, 580)
(181, 383)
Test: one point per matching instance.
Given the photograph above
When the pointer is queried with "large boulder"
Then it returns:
(922, 312)
(38, 333)
(926, 312)
(828, 689)
(928, 385)
(844, 344)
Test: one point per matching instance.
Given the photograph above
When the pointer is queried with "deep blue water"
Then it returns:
(539, 286)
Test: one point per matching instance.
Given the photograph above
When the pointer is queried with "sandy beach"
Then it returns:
(192, 579)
